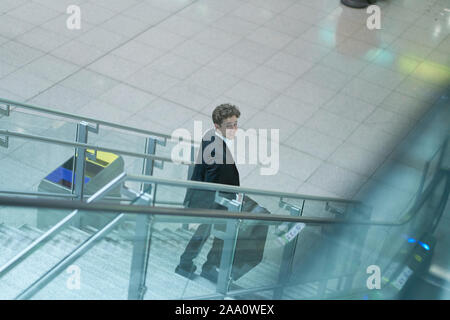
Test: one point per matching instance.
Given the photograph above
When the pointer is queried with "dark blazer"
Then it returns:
(214, 164)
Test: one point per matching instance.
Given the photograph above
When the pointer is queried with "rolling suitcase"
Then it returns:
(251, 241)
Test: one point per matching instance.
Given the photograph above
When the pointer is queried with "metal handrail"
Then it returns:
(181, 183)
(39, 194)
(72, 196)
(210, 213)
(32, 247)
(166, 211)
(89, 119)
(89, 146)
(68, 260)
(44, 279)
(232, 189)
(199, 213)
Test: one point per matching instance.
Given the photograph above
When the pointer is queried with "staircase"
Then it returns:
(105, 268)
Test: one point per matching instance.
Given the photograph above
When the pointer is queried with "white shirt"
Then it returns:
(229, 144)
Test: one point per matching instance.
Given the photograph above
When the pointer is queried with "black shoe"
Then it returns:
(210, 273)
(186, 271)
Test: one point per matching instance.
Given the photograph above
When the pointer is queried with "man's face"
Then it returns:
(228, 127)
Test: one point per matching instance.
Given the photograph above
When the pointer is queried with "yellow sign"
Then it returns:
(103, 159)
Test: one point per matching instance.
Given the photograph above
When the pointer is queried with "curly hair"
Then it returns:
(223, 112)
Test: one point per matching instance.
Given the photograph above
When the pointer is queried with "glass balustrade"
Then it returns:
(126, 251)
(265, 244)
(34, 153)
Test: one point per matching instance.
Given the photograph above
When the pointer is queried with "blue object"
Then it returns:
(61, 174)
(424, 245)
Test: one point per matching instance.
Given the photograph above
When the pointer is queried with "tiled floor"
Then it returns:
(342, 96)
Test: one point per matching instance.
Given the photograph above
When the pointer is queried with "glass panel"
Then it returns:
(122, 140)
(35, 124)
(169, 243)
(25, 166)
(31, 122)
(174, 170)
(335, 264)
(433, 166)
(18, 229)
(136, 142)
(265, 260)
(101, 272)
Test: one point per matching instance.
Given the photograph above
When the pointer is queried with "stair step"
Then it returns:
(105, 268)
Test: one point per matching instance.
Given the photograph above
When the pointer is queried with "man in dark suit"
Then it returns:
(214, 164)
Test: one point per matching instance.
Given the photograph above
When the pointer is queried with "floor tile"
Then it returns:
(24, 84)
(78, 53)
(175, 66)
(374, 140)
(216, 38)
(89, 82)
(161, 111)
(337, 180)
(310, 93)
(355, 159)
(138, 52)
(405, 105)
(152, 81)
(349, 107)
(305, 13)
(182, 26)
(197, 52)
(42, 39)
(11, 27)
(125, 26)
(267, 122)
(17, 54)
(327, 77)
(290, 160)
(291, 109)
(289, 64)
(33, 13)
(160, 39)
(233, 65)
(390, 122)
(306, 50)
(269, 78)
(61, 98)
(287, 25)
(366, 91)
(382, 76)
(247, 92)
(189, 94)
(253, 51)
(127, 98)
(146, 13)
(215, 81)
(51, 68)
(313, 143)
(254, 13)
(332, 124)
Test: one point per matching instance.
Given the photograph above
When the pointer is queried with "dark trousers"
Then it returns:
(196, 244)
